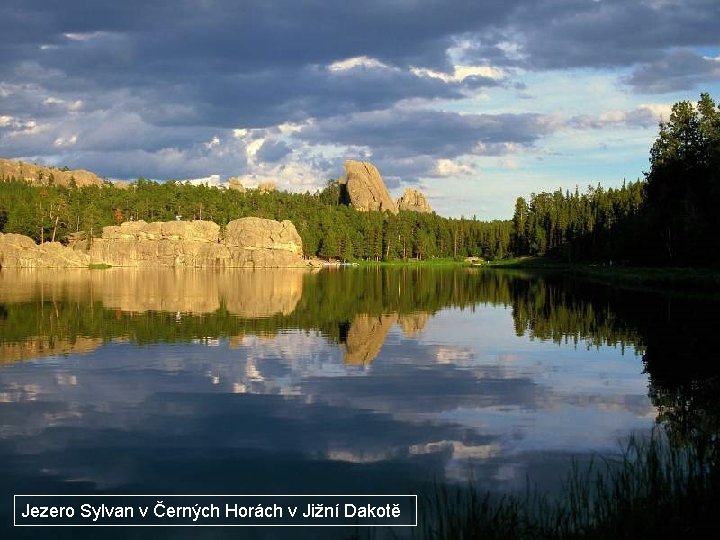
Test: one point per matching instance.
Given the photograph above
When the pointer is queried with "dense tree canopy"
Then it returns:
(683, 184)
(329, 228)
(669, 218)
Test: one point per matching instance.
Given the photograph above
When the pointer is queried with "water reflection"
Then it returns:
(293, 381)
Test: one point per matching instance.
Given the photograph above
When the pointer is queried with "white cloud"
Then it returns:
(29, 127)
(214, 143)
(461, 73)
(253, 147)
(357, 62)
(81, 36)
(447, 167)
(65, 141)
(75, 105)
(660, 110)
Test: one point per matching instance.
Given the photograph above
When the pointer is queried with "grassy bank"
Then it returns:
(414, 263)
(651, 278)
(652, 491)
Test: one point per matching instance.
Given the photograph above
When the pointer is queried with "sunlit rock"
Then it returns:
(413, 200)
(366, 188)
(18, 251)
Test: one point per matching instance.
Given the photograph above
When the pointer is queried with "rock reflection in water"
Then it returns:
(245, 293)
(287, 381)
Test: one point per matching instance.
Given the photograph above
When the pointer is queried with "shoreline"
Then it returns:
(680, 279)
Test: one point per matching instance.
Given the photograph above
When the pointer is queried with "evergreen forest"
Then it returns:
(667, 218)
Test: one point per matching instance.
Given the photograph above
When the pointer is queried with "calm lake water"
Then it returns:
(344, 381)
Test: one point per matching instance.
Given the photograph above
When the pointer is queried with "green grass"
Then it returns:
(653, 490)
(99, 266)
(414, 263)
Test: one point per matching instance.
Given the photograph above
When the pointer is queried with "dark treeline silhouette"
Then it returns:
(669, 218)
(599, 224)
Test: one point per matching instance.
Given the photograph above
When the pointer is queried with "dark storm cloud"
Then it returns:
(556, 34)
(273, 151)
(165, 76)
(676, 70)
(248, 59)
(430, 133)
(275, 96)
(250, 63)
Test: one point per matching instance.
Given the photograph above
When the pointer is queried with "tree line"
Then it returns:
(328, 228)
(668, 218)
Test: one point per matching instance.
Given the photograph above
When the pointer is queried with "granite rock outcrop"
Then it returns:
(366, 189)
(39, 174)
(413, 200)
(246, 243)
(18, 251)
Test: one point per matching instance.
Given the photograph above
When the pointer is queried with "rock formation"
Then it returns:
(169, 243)
(267, 187)
(235, 183)
(247, 243)
(39, 174)
(18, 251)
(366, 189)
(263, 243)
(414, 201)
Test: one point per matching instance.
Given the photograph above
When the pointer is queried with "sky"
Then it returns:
(473, 102)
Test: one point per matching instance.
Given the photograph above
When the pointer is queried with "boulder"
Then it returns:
(366, 189)
(18, 251)
(413, 200)
(252, 233)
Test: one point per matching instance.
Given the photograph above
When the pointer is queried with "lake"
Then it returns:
(349, 381)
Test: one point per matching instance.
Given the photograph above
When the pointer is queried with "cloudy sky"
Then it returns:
(474, 102)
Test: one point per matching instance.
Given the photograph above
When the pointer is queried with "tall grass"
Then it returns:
(653, 490)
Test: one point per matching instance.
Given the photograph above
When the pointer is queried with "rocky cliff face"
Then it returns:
(18, 251)
(247, 243)
(366, 189)
(414, 201)
(38, 174)
(263, 243)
